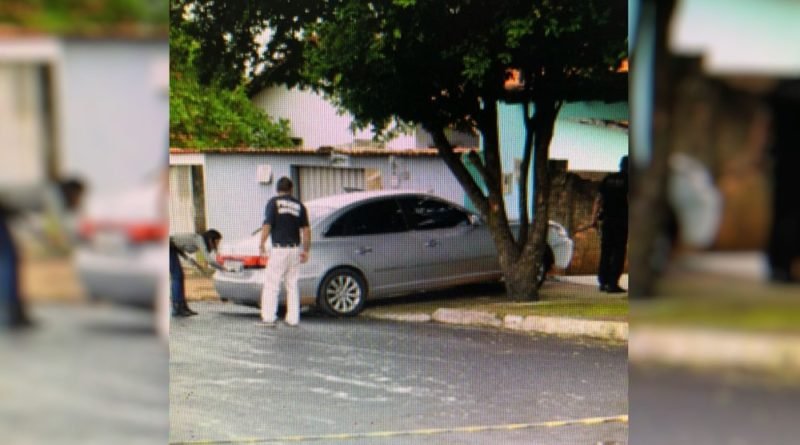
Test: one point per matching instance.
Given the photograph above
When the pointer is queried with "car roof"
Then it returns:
(345, 199)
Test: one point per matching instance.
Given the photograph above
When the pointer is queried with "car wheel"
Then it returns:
(342, 293)
(547, 264)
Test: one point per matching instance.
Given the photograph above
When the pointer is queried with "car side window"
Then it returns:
(428, 214)
(372, 218)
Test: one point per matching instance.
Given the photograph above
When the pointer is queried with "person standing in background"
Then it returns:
(611, 207)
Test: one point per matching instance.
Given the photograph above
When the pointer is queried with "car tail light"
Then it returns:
(255, 261)
(142, 233)
(248, 261)
(135, 233)
(86, 230)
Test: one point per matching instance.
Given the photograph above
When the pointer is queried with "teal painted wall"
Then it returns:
(585, 146)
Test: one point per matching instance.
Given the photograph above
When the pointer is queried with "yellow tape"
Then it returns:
(419, 432)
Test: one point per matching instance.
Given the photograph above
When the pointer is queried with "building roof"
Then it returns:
(323, 151)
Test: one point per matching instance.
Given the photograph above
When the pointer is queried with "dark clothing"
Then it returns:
(784, 243)
(176, 279)
(613, 247)
(614, 192)
(614, 230)
(11, 309)
(286, 216)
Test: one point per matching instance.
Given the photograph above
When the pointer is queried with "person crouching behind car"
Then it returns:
(180, 245)
(285, 218)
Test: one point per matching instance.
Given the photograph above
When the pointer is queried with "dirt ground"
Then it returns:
(51, 280)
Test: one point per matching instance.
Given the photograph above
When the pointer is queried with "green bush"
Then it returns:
(209, 116)
(212, 117)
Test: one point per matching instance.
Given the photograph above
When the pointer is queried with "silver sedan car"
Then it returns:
(369, 245)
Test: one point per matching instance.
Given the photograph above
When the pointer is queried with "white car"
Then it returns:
(380, 244)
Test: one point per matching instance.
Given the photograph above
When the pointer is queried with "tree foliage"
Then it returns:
(85, 16)
(210, 116)
(256, 42)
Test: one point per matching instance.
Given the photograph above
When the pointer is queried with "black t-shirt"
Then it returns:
(286, 215)
(614, 192)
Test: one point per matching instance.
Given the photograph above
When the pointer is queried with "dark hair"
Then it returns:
(72, 185)
(71, 191)
(284, 185)
(209, 236)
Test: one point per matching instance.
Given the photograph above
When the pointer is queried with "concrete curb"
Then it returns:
(609, 330)
(715, 348)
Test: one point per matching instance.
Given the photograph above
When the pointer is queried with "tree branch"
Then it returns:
(479, 166)
(525, 174)
(456, 166)
(491, 149)
(545, 118)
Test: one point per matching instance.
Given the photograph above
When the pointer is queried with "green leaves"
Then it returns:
(210, 116)
(405, 3)
(517, 29)
(86, 16)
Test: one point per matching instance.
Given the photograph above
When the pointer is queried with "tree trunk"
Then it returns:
(518, 263)
(520, 279)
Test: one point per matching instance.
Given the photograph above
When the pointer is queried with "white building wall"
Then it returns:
(113, 111)
(235, 199)
(317, 121)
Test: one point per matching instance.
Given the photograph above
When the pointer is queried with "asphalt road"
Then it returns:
(232, 380)
(84, 375)
(680, 407)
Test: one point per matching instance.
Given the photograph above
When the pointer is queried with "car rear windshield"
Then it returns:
(315, 213)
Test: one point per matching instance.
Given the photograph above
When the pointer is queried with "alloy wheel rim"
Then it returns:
(343, 293)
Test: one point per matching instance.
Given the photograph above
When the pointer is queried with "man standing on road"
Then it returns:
(611, 207)
(285, 218)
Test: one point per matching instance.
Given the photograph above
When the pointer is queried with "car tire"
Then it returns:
(547, 264)
(342, 293)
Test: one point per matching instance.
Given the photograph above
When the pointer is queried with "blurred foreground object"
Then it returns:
(121, 257)
(715, 359)
(697, 203)
(702, 70)
(13, 311)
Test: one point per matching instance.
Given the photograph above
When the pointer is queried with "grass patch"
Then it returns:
(705, 300)
(771, 317)
(616, 310)
(493, 300)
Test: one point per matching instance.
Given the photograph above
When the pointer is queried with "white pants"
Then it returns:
(282, 265)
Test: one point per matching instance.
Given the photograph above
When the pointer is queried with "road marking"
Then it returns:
(419, 432)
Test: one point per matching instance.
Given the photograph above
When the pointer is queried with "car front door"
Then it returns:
(451, 247)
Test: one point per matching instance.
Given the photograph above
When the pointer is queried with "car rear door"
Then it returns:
(373, 236)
